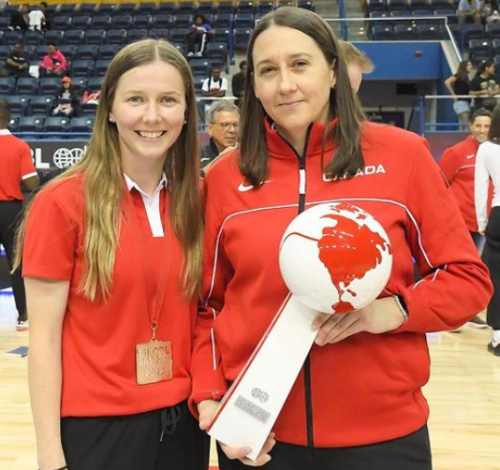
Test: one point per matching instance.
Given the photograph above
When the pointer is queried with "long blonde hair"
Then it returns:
(104, 185)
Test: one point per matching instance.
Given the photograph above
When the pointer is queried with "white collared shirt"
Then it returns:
(151, 203)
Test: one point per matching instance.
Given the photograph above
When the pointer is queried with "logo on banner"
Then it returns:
(64, 157)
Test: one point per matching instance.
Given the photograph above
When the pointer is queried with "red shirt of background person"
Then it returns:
(358, 401)
(110, 265)
(458, 165)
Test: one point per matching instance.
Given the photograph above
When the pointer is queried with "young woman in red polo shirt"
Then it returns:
(357, 403)
(112, 260)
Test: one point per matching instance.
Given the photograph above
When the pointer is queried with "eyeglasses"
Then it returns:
(227, 125)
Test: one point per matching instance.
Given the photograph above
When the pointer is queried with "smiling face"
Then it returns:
(292, 80)
(148, 110)
(480, 128)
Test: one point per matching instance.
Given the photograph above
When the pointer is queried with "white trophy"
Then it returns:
(334, 258)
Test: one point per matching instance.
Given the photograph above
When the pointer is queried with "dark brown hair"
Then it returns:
(344, 104)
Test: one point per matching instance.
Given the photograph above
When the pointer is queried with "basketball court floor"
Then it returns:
(464, 396)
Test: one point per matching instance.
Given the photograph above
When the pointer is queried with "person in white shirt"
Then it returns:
(36, 19)
(215, 86)
(488, 168)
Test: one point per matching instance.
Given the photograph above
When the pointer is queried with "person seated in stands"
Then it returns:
(485, 85)
(238, 82)
(65, 99)
(469, 9)
(19, 19)
(48, 17)
(489, 12)
(54, 63)
(215, 86)
(16, 64)
(36, 19)
(197, 36)
(223, 120)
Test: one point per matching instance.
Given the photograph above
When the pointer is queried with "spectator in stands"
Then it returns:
(17, 170)
(54, 63)
(487, 171)
(459, 84)
(112, 260)
(46, 13)
(17, 63)
(238, 82)
(223, 120)
(65, 99)
(215, 86)
(457, 164)
(469, 9)
(489, 12)
(19, 19)
(197, 36)
(36, 19)
(357, 63)
(357, 403)
(485, 86)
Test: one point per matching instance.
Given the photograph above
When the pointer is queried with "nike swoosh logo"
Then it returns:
(327, 179)
(243, 187)
(470, 156)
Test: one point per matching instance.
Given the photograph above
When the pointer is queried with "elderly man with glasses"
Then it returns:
(223, 120)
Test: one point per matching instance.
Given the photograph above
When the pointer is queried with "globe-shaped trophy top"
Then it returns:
(335, 258)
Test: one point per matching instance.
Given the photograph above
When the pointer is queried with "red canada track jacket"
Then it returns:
(367, 388)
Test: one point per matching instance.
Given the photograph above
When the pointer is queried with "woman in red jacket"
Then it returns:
(111, 261)
(358, 401)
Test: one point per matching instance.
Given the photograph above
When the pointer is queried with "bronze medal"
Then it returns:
(153, 361)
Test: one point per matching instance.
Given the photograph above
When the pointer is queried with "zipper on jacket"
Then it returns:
(307, 363)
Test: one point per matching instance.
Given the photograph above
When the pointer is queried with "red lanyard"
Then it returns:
(155, 304)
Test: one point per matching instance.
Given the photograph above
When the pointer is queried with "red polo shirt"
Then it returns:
(99, 338)
(16, 164)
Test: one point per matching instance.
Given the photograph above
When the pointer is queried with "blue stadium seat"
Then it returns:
(17, 104)
(440, 4)
(397, 5)
(82, 67)
(79, 85)
(479, 49)
(217, 53)
(4, 22)
(61, 22)
(428, 32)
(244, 21)
(67, 8)
(54, 36)
(221, 35)
(143, 21)
(33, 38)
(286, 3)
(183, 20)
(160, 33)
(180, 47)
(404, 32)
(7, 85)
(126, 8)
(96, 36)
(117, 36)
(88, 109)
(223, 20)
(69, 51)
(13, 123)
(422, 13)
(306, 5)
(495, 47)
(49, 86)
(493, 30)
(81, 124)
(94, 83)
(30, 124)
(198, 83)
(42, 104)
(56, 124)
(201, 67)
(375, 5)
(137, 34)
(166, 8)
(162, 21)
(102, 22)
(101, 66)
(122, 21)
(27, 85)
(245, 7)
(74, 36)
(87, 51)
(241, 38)
(108, 51)
(82, 22)
(88, 9)
(264, 7)
(178, 35)
(472, 31)
(12, 37)
(383, 32)
(107, 8)
(146, 8)
(419, 5)
(205, 8)
(4, 52)
(225, 7)
(185, 7)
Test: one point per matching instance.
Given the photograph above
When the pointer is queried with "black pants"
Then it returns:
(491, 257)
(406, 453)
(10, 215)
(196, 41)
(167, 439)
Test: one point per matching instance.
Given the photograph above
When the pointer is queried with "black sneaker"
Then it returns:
(494, 349)
(477, 322)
